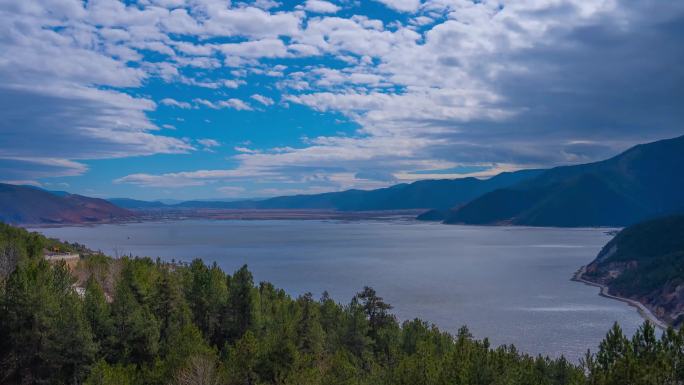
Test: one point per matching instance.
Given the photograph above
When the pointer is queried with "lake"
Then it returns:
(511, 284)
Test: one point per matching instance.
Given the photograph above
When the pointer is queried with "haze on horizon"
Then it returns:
(192, 99)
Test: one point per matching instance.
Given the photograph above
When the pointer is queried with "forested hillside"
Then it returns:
(645, 262)
(141, 321)
(17, 244)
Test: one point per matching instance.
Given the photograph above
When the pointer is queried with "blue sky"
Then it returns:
(198, 99)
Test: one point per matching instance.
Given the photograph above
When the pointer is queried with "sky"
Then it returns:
(218, 99)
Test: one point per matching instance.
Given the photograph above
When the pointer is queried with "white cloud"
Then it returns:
(231, 191)
(357, 36)
(232, 103)
(175, 103)
(414, 95)
(24, 182)
(190, 178)
(208, 143)
(272, 192)
(230, 83)
(264, 48)
(79, 123)
(60, 92)
(266, 101)
(245, 150)
(402, 5)
(321, 6)
(236, 104)
(451, 83)
(219, 20)
(39, 167)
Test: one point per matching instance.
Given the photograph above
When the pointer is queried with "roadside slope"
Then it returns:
(645, 263)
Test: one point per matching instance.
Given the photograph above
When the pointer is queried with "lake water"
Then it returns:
(511, 284)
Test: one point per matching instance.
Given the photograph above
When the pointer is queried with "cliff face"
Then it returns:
(645, 262)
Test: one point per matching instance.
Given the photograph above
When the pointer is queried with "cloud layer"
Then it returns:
(431, 85)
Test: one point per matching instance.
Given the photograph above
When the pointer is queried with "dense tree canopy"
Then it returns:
(162, 323)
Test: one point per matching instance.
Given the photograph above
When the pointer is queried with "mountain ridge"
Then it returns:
(31, 205)
(642, 182)
(424, 194)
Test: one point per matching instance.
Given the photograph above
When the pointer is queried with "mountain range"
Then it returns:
(424, 194)
(643, 182)
(33, 205)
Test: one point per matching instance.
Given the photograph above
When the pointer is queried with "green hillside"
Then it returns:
(645, 262)
(17, 244)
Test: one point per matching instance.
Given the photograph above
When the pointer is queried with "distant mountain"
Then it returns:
(53, 192)
(30, 205)
(439, 194)
(425, 194)
(134, 204)
(434, 215)
(645, 262)
(643, 182)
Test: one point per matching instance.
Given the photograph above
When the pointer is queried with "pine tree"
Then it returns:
(242, 361)
(309, 330)
(105, 374)
(98, 316)
(207, 294)
(239, 312)
(135, 326)
(355, 337)
(170, 308)
(46, 337)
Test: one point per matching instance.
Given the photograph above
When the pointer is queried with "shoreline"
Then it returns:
(236, 214)
(643, 311)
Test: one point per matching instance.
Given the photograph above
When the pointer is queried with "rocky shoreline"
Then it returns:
(642, 308)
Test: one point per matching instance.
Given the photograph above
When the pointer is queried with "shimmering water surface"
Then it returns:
(510, 284)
